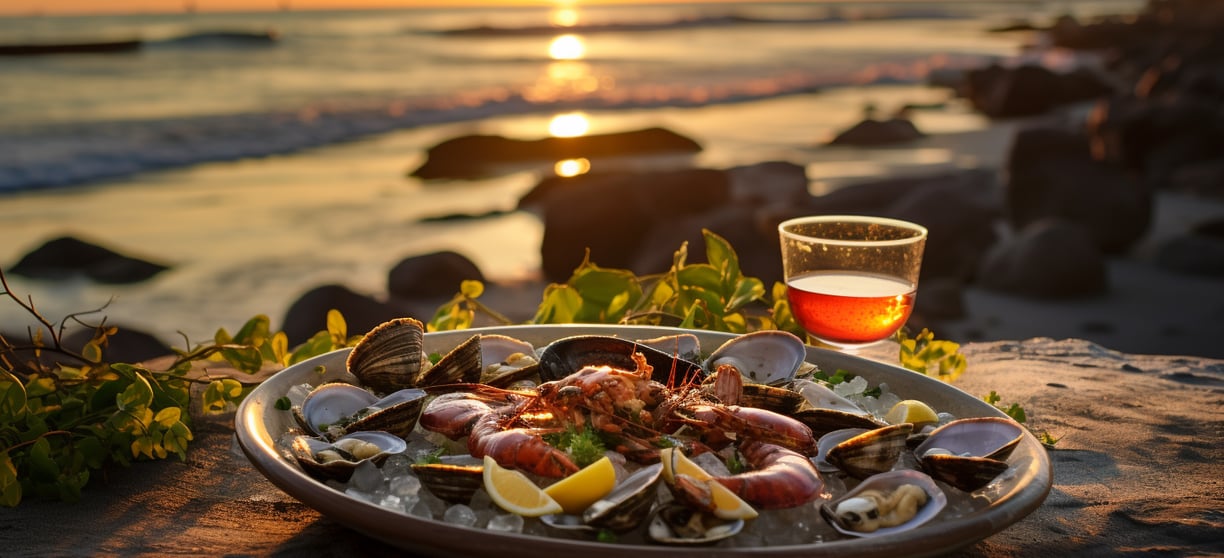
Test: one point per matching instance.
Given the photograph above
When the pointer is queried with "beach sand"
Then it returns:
(249, 237)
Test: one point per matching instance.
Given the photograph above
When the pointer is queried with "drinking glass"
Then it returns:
(851, 279)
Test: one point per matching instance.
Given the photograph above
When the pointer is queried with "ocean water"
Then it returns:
(207, 87)
(258, 169)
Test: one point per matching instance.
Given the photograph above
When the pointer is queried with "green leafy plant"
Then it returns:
(66, 413)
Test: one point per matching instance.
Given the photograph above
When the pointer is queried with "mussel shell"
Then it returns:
(630, 502)
(965, 473)
(871, 452)
(668, 521)
(936, 500)
(451, 482)
(770, 356)
(305, 449)
(992, 437)
(390, 357)
(571, 354)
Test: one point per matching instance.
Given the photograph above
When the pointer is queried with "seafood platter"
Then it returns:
(651, 440)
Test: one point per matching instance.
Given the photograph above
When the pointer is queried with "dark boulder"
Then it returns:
(871, 132)
(1048, 259)
(1198, 252)
(1029, 90)
(747, 229)
(769, 183)
(1051, 173)
(437, 274)
(308, 314)
(609, 214)
(470, 157)
(68, 256)
(959, 211)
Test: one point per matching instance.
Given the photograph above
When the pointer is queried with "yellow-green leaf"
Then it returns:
(471, 288)
(168, 417)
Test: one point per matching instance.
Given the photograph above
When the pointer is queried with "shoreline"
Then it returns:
(249, 237)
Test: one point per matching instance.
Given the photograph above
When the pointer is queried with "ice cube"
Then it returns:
(506, 522)
(459, 514)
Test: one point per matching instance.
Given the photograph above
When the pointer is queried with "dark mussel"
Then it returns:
(571, 354)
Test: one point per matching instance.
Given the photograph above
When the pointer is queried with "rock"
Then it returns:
(1195, 254)
(1050, 173)
(437, 274)
(308, 314)
(940, 298)
(771, 182)
(469, 157)
(959, 211)
(67, 256)
(609, 214)
(871, 132)
(1158, 139)
(1029, 90)
(1050, 259)
(749, 230)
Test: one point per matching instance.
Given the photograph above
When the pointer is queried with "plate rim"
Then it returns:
(1033, 482)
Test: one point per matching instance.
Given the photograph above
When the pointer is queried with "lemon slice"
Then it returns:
(515, 493)
(579, 490)
(727, 504)
(911, 411)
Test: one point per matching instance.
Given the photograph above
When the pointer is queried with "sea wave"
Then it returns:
(834, 17)
(67, 154)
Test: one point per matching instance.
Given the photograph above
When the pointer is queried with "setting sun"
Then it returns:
(569, 125)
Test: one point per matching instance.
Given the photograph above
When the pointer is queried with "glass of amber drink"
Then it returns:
(851, 279)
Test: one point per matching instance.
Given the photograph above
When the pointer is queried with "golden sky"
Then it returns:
(58, 7)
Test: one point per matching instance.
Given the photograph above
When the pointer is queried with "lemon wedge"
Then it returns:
(727, 504)
(516, 493)
(579, 490)
(911, 411)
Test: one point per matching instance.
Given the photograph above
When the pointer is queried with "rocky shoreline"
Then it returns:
(1075, 192)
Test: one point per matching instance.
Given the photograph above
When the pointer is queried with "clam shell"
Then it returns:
(506, 361)
(871, 452)
(566, 356)
(965, 473)
(328, 404)
(992, 437)
(306, 448)
(390, 356)
(769, 356)
(668, 522)
(462, 364)
(396, 413)
(977, 449)
(936, 500)
(773, 398)
(630, 502)
(449, 481)
(824, 411)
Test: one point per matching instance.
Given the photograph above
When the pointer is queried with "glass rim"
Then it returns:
(869, 219)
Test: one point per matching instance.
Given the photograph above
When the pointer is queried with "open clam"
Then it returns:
(677, 524)
(338, 459)
(886, 503)
(336, 409)
(770, 357)
(969, 453)
(824, 411)
(630, 502)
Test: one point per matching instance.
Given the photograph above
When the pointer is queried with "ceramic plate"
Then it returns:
(259, 424)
